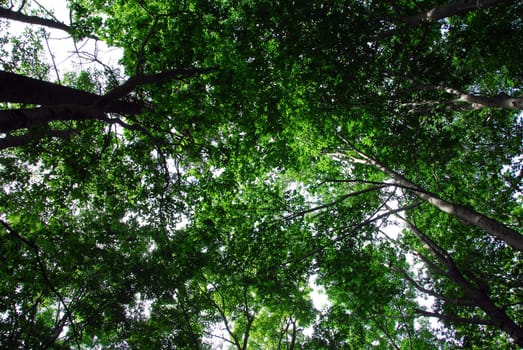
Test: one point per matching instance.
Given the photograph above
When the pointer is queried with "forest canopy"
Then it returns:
(243, 155)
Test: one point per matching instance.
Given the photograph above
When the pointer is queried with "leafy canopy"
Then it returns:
(369, 146)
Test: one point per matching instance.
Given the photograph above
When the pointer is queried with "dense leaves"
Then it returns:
(247, 148)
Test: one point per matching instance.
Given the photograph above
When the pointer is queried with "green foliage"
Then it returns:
(202, 220)
(26, 54)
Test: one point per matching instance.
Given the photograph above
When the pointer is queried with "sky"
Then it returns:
(63, 48)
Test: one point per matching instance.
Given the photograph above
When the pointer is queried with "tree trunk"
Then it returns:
(23, 140)
(15, 119)
(17, 88)
(469, 216)
(59, 103)
(477, 294)
(500, 319)
(293, 335)
(65, 103)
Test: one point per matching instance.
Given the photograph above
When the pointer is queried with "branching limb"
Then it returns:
(221, 312)
(219, 337)
(46, 38)
(141, 53)
(335, 202)
(475, 291)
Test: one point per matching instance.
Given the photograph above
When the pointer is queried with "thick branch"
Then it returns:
(131, 84)
(437, 13)
(415, 284)
(293, 335)
(498, 101)
(438, 252)
(454, 8)
(64, 103)
(35, 20)
(18, 88)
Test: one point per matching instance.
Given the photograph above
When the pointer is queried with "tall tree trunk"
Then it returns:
(17, 88)
(65, 103)
(22, 140)
(293, 335)
(469, 216)
(15, 119)
(476, 294)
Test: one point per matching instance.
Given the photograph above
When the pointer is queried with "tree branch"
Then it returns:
(337, 201)
(353, 229)
(457, 7)
(235, 340)
(477, 294)
(133, 82)
(35, 20)
(469, 216)
(476, 101)
(30, 137)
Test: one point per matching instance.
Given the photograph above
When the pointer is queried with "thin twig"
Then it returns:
(52, 57)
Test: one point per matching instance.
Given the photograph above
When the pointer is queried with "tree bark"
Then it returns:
(477, 294)
(498, 101)
(469, 216)
(477, 101)
(17, 88)
(293, 335)
(15, 119)
(131, 84)
(65, 103)
(21, 89)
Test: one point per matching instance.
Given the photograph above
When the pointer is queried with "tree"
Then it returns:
(251, 146)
